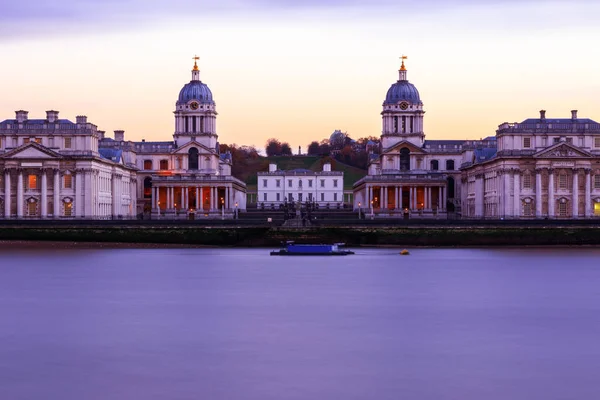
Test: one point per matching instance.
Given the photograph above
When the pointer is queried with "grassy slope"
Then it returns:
(313, 163)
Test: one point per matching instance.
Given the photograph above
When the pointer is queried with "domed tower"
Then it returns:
(195, 113)
(402, 113)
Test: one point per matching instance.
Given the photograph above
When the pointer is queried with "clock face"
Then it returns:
(403, 105)
(194, 105)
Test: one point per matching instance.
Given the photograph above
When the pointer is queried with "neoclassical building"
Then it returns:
(543, 168)
(53, 168)
(186, 177)
(411, 176)
(324, 188)
(539, 168)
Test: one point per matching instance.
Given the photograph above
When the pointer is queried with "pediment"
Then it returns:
(562, 150)
(32, 150)
(414, 149)
(186, 147)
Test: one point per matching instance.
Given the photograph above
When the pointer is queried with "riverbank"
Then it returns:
(268, 237)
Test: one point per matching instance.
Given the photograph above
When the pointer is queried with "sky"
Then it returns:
(298, 70)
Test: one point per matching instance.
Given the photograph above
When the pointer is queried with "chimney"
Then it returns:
(327, 167)
(52, 116)
(299, 151)
(21, 116)
(81, 119)
(272, 167)
(542, 115)
(101, 134)
(119, 136)
(573, 115)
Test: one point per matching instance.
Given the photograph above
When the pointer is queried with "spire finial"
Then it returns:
(196, 58)
(402, 67)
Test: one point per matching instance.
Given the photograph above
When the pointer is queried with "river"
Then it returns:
(238, 324)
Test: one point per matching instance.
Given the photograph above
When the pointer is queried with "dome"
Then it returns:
(337, 137)
(195, 90)
(402, 91)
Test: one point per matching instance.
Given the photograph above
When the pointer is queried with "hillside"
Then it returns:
(248, 171)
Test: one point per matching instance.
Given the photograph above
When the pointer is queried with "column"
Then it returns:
(429, 202)
(538, 192)
(153, 201)
(168, 205)
(506, 194)
(212, 198)
(575, 197)
(440, 198)
(88, 213)
(380, 197)
(182, 198)
(517, 198)
(197, 198)
(444, 199)
(551, 193)
(44, 199)
(588, 192)
(396, 198)
(20, 194)
(56, 193)
(400, 197)
(479, 196)
(7, 193)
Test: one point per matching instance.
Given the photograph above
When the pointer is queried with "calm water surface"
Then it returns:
(238, 324)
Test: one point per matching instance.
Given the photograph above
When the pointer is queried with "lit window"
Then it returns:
(67, 143)
(32, 182)
(164, 165)
(38, 140)
(68, 181)
(526, 143)
(147, 164)
(68, 209)
(26, 140)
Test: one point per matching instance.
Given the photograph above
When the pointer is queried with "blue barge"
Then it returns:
(292, 249)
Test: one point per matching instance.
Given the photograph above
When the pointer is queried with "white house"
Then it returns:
(324, 188)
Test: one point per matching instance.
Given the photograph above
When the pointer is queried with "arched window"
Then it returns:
(164, 165)
(147, 164)
(147, 188)
(193, 158)
(404, 159)
(449, 165)
(435, 165)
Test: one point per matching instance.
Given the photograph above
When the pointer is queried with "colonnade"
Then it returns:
(218, 197)
(420, 197)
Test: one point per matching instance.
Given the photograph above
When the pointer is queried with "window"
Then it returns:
(404, 159)
(597, 181)
(310, 198)
(597, 142)
(300, 183)
(147, 164)
(335, 197)
(264, 183)
(278, 197)
(562, 181)
(570, 140)
(526, 180)
(290, 197)
(527, 143)
(435, 165)
(164, 165)
(299, 196)
(555, 140)
(335, 183)
(322, 196)
(38, 140)
(67, 143)
(68, 179)
(278, 183)
(449, 165)
(562, 208)
(264, 196)
(310, 183)
(192, 159)
(527, 209)
(289, 183)
(26, 140)
(32, 182)
(322, 182)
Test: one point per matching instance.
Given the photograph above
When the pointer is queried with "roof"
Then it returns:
(37, 122)
(484, 154)
(111, 154)
(559, 121)
(402, 91)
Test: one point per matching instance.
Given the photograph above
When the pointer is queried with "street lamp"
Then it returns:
(359, 210)
(371, 209)
(236, 210)
(222, 208)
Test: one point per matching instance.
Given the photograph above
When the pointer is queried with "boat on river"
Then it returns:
(292, 249)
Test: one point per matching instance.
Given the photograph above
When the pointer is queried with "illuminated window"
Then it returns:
(526, 143)
(68, 181)
(68, 209)
(596, 208)
(164, 165)
(26, 140)
(38, 140)
(147, 164)
(32, 182)
(67, 143)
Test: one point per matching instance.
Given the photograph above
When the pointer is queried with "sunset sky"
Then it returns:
(298, 70)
